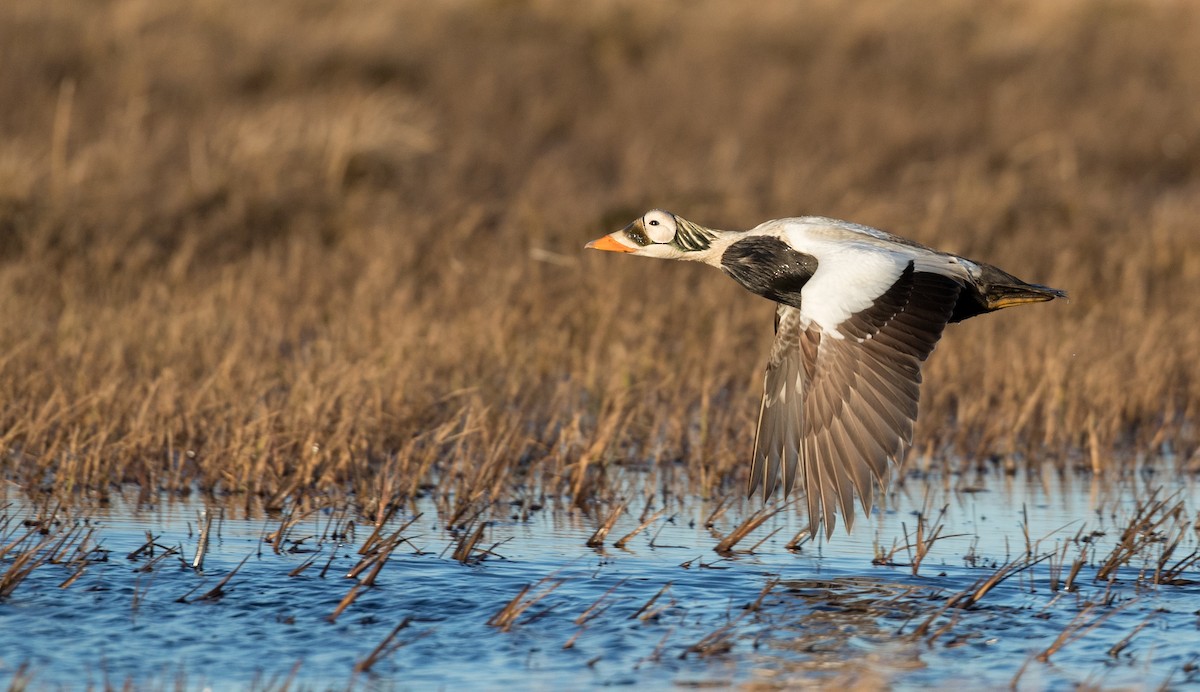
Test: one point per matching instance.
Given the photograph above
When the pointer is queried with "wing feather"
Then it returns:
(836, 411)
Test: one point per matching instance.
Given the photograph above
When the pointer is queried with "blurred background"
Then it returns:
(289, 247)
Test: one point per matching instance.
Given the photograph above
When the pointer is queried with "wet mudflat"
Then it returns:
(1044, 580)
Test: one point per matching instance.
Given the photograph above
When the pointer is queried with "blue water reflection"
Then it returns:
(829, 616)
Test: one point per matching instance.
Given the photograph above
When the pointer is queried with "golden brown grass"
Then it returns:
(304, 250)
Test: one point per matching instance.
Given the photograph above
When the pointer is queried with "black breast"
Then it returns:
(769, 267)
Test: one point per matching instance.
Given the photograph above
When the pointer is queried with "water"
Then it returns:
(830, 616)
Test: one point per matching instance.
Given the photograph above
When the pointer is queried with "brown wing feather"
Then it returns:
(780, 416)
(836, 411)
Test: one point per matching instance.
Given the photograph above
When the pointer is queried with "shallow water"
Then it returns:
(830, 614)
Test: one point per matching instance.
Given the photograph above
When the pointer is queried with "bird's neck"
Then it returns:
(703, 244)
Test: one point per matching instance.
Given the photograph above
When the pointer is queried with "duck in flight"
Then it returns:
(857, 312)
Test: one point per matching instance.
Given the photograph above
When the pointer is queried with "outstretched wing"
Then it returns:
(835, 410)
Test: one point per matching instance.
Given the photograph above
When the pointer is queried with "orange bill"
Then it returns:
(609, 244)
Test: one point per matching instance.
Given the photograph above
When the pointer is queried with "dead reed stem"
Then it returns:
(507, 616)
(1142, 529)
(202, 545)
(976, 592)
(386, 647)
(921, 544)
(465, 547)
(1076, 629)
(597, 538)
(218, 591)
(624, 540)
(644, 612)
(355, 591)
(755, 520)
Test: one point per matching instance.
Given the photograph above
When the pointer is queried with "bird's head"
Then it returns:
(659, 233)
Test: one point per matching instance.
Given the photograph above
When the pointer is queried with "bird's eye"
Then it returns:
(659, 225)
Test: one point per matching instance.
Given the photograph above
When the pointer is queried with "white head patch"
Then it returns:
(659, 225)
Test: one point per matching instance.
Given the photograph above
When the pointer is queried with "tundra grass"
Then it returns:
(314, 251)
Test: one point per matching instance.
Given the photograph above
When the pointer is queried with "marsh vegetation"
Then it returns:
(321, 264)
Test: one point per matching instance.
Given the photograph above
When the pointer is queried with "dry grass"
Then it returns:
(302, 251)
(46, 537)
